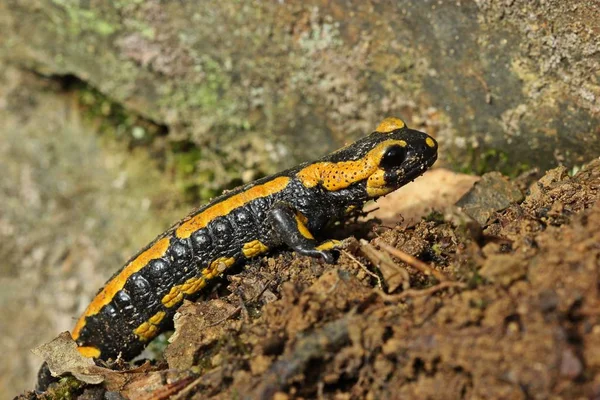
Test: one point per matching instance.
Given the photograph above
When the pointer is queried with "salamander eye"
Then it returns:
(393, 157)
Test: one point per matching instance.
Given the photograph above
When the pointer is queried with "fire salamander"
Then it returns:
(139, 301)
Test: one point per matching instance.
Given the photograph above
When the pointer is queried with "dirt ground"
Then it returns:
(509, 309)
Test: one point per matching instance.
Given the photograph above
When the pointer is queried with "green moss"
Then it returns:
(113, 120)
(434, 216)
(124, 3)
(84, 20)
(214, 84)
(575, 169)
(480, 161)
(158, 345)
(240, 346)
(192, 170)
(322, 35)
(204, 364)
(180, 158)
(437, 249)
(204, 361)
(184, 158)
(198, 173)
(475, 280)
(480, 304)
(144, 29)
(66, 388)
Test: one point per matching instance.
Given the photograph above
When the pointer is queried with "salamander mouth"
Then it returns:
(419, 169)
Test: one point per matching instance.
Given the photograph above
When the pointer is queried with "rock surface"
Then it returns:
(512, 83)
(72, 209)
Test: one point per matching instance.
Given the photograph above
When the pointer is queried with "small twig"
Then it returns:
(364, 268)
(589, 311)
(417, 293)
(413, 261)
(173, 389)
(393, 274)
(242, 305)
(486, 88)
(369, 211)
(186, 390)
(320, 390)
(239, 308)
(225, 318)
(206, 379)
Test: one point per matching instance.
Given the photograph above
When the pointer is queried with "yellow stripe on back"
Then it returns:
(117, 283)
(224, 207)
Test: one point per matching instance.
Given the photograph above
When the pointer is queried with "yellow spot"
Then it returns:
(143, 329)
(301, 223)
(156, 318)
(151, 333)
(377, 186)
(329, 244)
(148, 330)
(217, 267)
(390, 124)
(302, 218)
(337, 176)
(89, 351)
(377, 179)
(254, 248)
(173, 297)
(378, 191)
(430, 142)
(192, 285)
(117, 283)
(350, 209)
(224, 207)
(176, 293)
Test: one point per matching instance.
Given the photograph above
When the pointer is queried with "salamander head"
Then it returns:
(385, 160)
(400, 155)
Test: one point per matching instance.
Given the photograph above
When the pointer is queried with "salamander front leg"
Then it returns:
(290, 226)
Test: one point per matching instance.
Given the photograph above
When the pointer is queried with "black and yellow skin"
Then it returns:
(139, 301)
